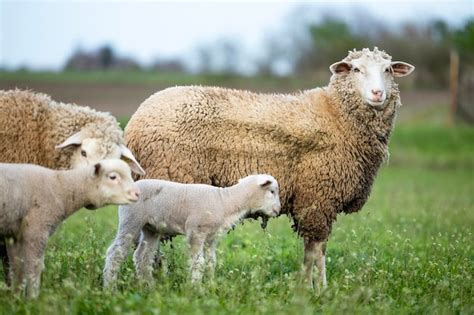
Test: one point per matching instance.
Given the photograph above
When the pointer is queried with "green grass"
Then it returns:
(409, 251)
(269, 83)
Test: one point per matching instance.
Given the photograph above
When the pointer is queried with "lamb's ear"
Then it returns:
(75, 139)
(340, 67)
(97, 168)
(401, 69)
(128, 157)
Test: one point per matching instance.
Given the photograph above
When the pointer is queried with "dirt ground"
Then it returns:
(123, 99)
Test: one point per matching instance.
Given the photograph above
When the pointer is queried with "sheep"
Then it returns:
(34, 200)
(201, 212)
(37, 130)
(325, 145)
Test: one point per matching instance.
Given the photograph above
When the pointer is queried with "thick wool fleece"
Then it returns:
(324, 146)
(31, 125)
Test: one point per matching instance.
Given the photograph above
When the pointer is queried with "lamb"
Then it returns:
(325, 145)
(35, 200)
(201, 212)
(35, 129)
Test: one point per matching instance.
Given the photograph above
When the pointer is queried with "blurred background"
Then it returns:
(111, 55)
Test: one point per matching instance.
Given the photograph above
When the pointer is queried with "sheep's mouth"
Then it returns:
(90, 207)
(132, 200)
(256, 216)
(378, 105)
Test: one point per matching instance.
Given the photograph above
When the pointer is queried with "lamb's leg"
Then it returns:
(33, 252)
(144, 256)
(321, 264)
(16, 264)
(196, 249)
(117, 252)
(210, 256)
(309, 257)
(5, 260)
(33, 269)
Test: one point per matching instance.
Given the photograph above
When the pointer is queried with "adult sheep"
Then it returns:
(37, 130)
(324, 146)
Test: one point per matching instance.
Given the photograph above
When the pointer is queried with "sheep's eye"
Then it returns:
(113, 177)
(272, 191)
(83, 153)
(356, 70)
(387, 70)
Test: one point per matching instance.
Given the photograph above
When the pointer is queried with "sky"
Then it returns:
(42, 34)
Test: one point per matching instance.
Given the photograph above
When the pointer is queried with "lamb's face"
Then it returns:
(266, 199)
(112, 183)
(372, 76)
(89, 151)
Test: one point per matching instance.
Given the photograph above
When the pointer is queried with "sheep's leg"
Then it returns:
(314, 251)
(33, 269)
(196, 249)
(117, 252)
(16, 263)
(5, 261)
(321, 264)
(33, 253)
(144, 256)
(309, 257)
(210, 256)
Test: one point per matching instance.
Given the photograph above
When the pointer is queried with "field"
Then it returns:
(409, 251)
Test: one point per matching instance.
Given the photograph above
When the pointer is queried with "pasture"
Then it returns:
(410, 250)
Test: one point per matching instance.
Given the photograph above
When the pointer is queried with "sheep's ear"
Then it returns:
(340, 67)
(97, 168)
(266, 183)
(128, 157)
(75, 139)
(401, 69)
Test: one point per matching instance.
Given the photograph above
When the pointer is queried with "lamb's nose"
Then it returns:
(135, 193)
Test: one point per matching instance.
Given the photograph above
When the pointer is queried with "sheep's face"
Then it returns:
(266, 199)
(89, 151)
(112, 183)
(372, 75)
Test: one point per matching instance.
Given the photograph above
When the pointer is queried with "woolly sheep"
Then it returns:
(37, 130)
(324, 145)
(201, 212)
(35, 200)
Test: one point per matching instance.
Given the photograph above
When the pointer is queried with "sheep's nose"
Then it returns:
(376, 92)
(135, 194)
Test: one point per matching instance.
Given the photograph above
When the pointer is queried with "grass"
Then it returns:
(158, 78)
(409, 251)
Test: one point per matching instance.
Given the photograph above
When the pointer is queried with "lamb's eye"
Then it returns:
(356, 70)
(387, 70)
(113, 177)
(272, 191)
(83, 153)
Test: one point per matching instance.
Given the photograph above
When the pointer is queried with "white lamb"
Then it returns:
(201, 212)
(35, 199)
